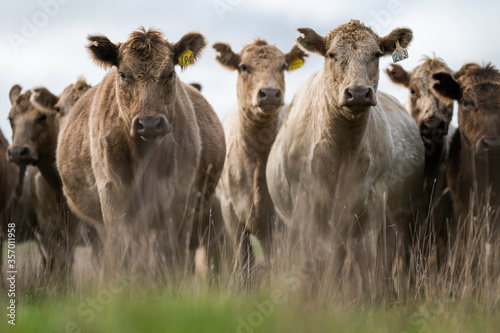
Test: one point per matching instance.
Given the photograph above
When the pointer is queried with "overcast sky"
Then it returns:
(42, 42)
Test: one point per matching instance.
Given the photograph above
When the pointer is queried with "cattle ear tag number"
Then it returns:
(399, 53)
(296, 64)
(186, 57)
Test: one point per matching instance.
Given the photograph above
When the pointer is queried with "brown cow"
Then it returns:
(474, 156)
(250, 129)
(433, 118)
(346, 153)
(9, 174)
(34, 139)
(142, 151)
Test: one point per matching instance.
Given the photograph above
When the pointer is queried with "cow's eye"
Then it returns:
(40, 119)
(123, 77)
(171, 75)
(465, 103)
(58, 109)
(332, 55)
(412, 91)
(283, 67)
(244, 68)
(378, 54)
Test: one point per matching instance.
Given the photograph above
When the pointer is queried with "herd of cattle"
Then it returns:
(139, 166)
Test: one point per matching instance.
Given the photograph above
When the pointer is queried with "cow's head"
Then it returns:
(477, 90)
(431, 114)
(34, 126)
(145, 76)
(261, 74)
(70, 95)
(352, 52)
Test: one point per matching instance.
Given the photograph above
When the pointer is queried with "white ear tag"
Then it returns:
(399, 53)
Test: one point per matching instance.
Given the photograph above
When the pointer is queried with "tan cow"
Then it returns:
(142, 152)
(433, 118)
(250, 129)
(34, 137)
(348, 154)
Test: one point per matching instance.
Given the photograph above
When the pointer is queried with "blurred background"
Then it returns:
(42, 42)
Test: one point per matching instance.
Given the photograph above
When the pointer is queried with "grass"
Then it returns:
(132, 311)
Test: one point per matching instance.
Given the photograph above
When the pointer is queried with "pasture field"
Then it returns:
(277, 304)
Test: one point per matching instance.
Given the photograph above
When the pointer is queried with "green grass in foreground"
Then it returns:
(121, 311)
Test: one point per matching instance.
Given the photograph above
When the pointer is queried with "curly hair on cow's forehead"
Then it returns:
(351, 30)
(143, 41)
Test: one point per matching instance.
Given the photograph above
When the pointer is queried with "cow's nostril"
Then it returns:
(262, 94)
(24, 152)
(278, 94)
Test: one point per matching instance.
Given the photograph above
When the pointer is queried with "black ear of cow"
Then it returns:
(398, 75)
(311, 41)
(226, 57)
(14, 93)
(103, 51)
(194, 40)
(446, 88)
(43, 99)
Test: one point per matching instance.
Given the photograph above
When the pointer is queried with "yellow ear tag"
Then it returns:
(186, 57)
(399, 53)
(296, 64)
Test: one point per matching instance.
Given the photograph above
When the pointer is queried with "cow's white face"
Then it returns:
(352, 53)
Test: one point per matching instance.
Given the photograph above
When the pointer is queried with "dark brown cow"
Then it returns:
(35, 128)
(474, 156)
(9, 175)
(142, 151)
(433, 118)
(250, 129)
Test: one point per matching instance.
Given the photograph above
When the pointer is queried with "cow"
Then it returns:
(68, 98)
(141, 153)
(8, 179)
(346, 155)
(475, 148)
(433, 117)
(35, 128)
(250, 129)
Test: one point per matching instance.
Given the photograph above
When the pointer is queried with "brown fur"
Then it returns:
(70, 95)
(9, 174)
(335, 167)
(471, 166)
(428, 111)
(131, 186)
(250, 129)
(35, 127)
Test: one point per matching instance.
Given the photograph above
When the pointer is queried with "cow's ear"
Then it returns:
(398, 75)
(103, 51)
(226, 57)
(295, 53)
(464, 70)
(81, 85)
(43, 99)
(388, 43)
(196, 43)
(446, 87)
(14, 93)
(311, 41)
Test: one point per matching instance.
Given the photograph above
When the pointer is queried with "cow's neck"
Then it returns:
(433, 160)
(257, 133)
(47, 167)
(347, 134)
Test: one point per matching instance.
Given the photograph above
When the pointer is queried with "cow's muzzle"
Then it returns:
(433, 129)
(150, 128)
(270, 99)
(22, 155)
(358, 98)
